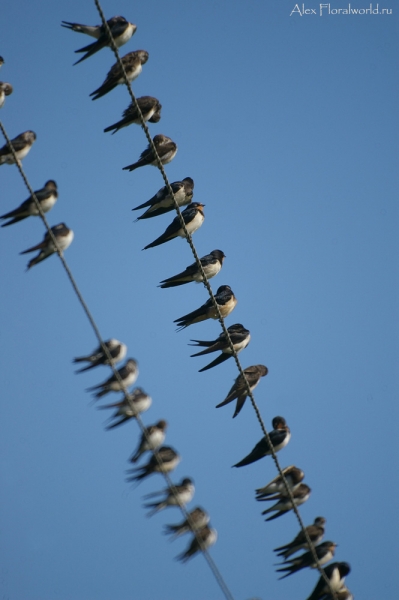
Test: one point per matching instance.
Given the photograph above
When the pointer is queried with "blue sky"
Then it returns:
(288, 126)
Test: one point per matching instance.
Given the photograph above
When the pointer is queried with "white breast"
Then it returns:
(194, 224)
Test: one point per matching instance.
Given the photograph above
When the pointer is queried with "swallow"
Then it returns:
(150, 109)
(225, 300)
(279, 437)
(162, 202)
(128, 408)
(133, 63)
(6, 89)
(166, 150)
(1, 61)
(293, 477)
(193, 217)
(197, 519)
(315, 533)
(128, 374)
(283, 505)
(46, 197)
(240, 338)
(176, 495)
(121, 31)
(342, 594)
(207, 537)
(116, 349)
(168, 457)
(211, 264)
(239, 389)
(324, 552)
(95, 31)
(336, 573)
(21, 144)
(153, 437)
(63, 236)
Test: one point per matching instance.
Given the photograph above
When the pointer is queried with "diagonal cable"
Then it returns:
(126, 395)
(209, 289)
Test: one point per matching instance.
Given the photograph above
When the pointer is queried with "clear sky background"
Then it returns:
(288, 125)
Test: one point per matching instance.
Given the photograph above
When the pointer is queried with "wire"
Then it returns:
(127, 396)
(210, 292)
(220, 318)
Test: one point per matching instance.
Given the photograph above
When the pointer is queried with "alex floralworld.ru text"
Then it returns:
(325, 9)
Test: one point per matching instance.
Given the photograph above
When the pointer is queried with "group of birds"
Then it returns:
(138, 401)
(335, 572)
(23, 142)
(46, 197)
(164, 459)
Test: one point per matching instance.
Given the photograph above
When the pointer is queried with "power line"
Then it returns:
(219, 578)
(207, 285)
(210, 292)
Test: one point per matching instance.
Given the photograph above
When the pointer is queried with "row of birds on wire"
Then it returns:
(138, 401)
(134, 403)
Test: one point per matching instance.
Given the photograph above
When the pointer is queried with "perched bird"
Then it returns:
(162, 202)
(293, 477)
(153, 438)
(239, 389)
(225, 300)
(336, 573)
(193, 217)
(279, 437)
(168, 457)
(324, 552)
(283, 505)
(207, 536)
(95, 31)
(21, 144)
(315, 533)
(6, 89)
(133, 63)
(240, 338)
(116, 349)
(150, 109)
(46, 197)
(177, 495)
(128, 408)
(211, 263)
(121, 31)
(128, 374)
(198, 519)
(166, 150)
(63, 236)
